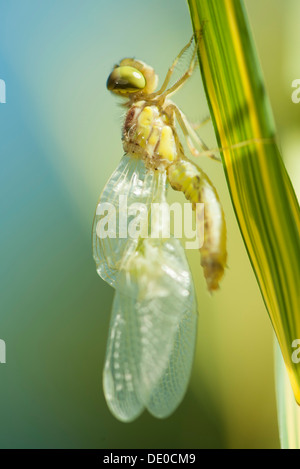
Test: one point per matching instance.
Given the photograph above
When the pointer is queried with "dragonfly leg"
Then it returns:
(171, 70)
(189, 72)
(199, 125)
(181, 80)
(190, 134)
(235, 146)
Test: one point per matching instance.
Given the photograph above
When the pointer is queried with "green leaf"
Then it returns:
(262, 195)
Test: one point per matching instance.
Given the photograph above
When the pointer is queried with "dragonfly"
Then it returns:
(152, 334)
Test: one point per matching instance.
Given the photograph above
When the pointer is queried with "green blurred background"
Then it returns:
(59, 143)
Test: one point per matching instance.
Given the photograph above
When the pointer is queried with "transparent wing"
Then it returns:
(130, 183)
(172, 387)
(119, 375)
(153, 331)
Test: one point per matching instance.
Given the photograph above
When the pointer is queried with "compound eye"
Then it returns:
(125, 79)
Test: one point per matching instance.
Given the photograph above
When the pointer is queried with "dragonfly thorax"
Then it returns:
(148, 133)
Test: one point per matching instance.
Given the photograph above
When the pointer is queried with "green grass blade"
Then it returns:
(262, 195)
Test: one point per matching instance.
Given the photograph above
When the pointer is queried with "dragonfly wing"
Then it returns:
(181, 304)
(155, 298)
(130, 183)
(119, 376)
(173, 384)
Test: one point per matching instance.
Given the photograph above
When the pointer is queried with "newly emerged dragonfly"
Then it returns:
(153, 326)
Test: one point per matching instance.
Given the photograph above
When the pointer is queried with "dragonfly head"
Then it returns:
(130, 77)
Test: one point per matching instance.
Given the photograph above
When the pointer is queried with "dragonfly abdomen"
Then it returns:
(148, 134)
(188, 178)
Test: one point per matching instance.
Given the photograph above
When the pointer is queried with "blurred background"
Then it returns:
(59, 143)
